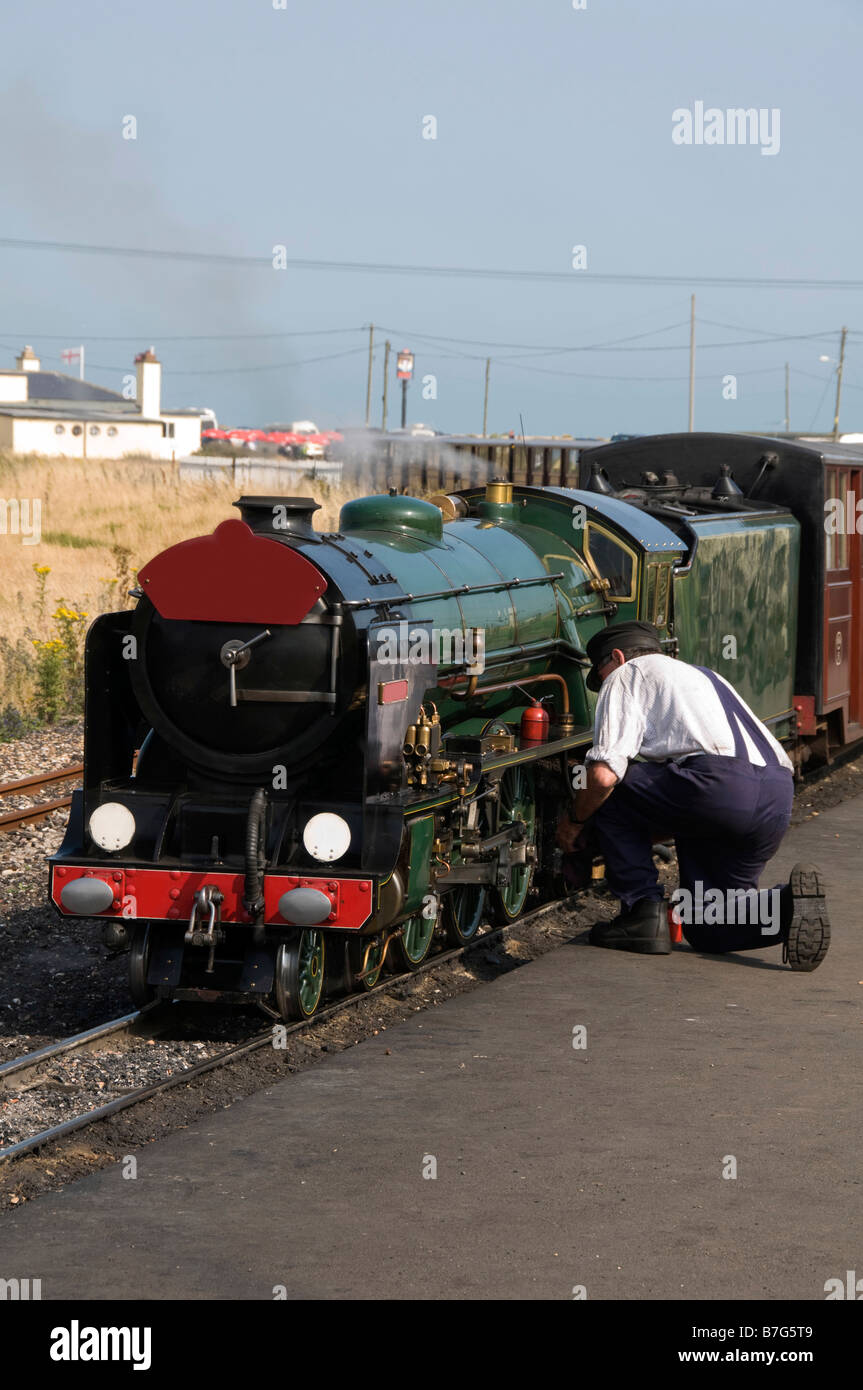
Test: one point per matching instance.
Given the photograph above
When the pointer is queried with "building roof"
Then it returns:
(78, 411)
(57, 386)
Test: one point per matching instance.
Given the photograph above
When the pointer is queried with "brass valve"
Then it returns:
(421, 744)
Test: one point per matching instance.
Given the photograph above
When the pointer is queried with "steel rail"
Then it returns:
(29, 815)
(75, 1043)
(42, 779)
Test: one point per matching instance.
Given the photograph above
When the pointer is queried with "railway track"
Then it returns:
(30, 815)
(158, 1016)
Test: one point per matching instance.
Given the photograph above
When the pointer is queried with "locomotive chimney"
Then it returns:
(287, 517)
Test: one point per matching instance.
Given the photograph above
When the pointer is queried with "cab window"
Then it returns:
(612, 561)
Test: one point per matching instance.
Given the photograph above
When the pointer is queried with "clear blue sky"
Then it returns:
(258, 126)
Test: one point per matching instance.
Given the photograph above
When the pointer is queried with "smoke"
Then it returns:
(68, 182)
(376, 460)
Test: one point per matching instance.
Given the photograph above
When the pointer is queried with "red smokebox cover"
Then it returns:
(232, 576)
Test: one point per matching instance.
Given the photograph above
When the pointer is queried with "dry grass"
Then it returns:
(101, 522)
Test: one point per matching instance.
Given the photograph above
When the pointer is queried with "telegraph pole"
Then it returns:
(692, 365)
(839, 383)
(386, 383)
(369, 381)
(787, 407)
(485, 400)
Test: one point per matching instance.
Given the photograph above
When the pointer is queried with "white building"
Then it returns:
(52, 413)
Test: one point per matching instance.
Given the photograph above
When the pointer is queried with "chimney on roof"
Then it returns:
(148, 370)
(27, 361)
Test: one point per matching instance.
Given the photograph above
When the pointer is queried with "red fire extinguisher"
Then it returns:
(534, 723)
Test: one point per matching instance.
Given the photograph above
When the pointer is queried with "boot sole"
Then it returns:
(809, 933)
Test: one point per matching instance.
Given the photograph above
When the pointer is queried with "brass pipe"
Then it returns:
(471, 688)
(365, 971)
(511, 685)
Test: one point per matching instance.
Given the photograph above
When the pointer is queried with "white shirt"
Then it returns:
(659, 708)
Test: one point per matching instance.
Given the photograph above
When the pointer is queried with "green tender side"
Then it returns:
(735, 608)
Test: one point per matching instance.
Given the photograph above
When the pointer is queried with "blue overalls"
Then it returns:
(727, 816)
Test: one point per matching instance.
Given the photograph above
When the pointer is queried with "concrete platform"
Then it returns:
(556, 1167)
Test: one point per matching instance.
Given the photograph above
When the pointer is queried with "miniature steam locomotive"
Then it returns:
(307, 754)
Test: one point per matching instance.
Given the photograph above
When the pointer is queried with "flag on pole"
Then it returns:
(71, 354)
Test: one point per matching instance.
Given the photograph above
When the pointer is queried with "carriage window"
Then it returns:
(838, 485)
(612, 561)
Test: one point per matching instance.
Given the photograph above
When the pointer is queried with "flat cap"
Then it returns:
(619, 636)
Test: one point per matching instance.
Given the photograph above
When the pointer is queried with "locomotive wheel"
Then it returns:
(299, 976)
(464, 909)
(411, 948)
(356, 953)
(140, 949)
(516, 802)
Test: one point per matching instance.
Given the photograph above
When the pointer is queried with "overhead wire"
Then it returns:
(572, 277)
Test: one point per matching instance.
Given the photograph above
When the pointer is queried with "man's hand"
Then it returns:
(568, 833)
(601, 781)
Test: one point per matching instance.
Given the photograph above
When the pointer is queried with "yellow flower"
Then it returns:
(42, 569)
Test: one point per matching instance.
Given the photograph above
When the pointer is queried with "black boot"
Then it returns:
(805, 924)
(643, 928)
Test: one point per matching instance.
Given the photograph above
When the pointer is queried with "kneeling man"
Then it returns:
(715, 779)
